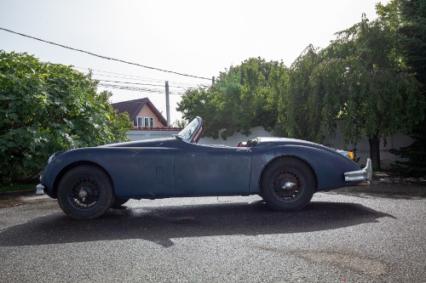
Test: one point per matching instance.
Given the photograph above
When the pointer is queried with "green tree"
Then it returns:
(180, 123)
(408, 21)
(381, 97)
(304, 98)
(46, 108)
(243, 97)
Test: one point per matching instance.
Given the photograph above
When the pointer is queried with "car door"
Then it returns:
(141, 171)
(155, 172)
(212, 170)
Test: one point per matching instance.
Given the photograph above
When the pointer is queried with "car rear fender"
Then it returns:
(328, 166)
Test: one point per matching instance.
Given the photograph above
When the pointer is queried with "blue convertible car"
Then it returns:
(284, 172)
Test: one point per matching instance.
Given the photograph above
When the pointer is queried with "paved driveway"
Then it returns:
(338, 238)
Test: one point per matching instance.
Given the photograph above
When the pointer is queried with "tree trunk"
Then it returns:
(375, 151)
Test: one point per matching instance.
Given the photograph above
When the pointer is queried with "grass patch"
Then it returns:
(7, 188)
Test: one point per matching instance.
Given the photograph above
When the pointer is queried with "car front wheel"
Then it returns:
(85, 192)
(287, 184)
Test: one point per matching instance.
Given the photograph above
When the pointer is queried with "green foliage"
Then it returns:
(382, 97)
(300, 98)
(21, 187)
(180, 123)
(314, 96)
(412, 36)
(368, 81)
(245, 96)
(46, 108)
(360, 81)
(413, 161)
(408, 20)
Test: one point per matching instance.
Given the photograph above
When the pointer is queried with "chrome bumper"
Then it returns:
(39, 189)
(365, 174)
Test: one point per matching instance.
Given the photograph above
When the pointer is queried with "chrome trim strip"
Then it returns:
(365, 174)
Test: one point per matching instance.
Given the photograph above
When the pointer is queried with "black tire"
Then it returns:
(118, 203)
(287, 184)
(85, 192)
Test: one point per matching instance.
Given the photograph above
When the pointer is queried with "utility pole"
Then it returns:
(167, 103)
(213, 80)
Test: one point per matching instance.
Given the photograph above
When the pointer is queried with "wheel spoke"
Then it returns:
(84, 194)
(286, 185)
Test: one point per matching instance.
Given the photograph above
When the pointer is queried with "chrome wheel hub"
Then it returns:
(85, 194)
(82, 193)
(288, 185)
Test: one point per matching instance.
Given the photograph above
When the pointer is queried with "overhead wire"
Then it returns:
(98, 74)
(136, 83)
(118, 75)
(103, 56)
(134, 88)
(130, 87)
(124, 85)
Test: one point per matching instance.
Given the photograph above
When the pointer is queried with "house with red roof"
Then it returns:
(148, 122)
(142, 113)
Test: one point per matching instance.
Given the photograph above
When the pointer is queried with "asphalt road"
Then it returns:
(337, 238)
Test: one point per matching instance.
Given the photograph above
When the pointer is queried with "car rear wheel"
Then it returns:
(85, 192)
(288, 184)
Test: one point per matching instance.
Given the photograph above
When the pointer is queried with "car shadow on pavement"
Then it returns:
(162, 224)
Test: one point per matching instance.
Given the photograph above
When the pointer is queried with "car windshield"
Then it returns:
(188, 133)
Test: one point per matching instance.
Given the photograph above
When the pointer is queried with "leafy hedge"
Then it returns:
(46, 108)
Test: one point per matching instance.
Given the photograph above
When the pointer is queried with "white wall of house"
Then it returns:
(135, 135)
(395, 141)
(362, 147)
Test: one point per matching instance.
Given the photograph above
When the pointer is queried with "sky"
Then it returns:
(189, 36)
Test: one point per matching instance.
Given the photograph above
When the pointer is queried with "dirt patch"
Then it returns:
(11, 200)
(342, 260)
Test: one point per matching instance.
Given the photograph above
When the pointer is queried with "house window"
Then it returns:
(144, 122)
(139, 122)
(148, 122)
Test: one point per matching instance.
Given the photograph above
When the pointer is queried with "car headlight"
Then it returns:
(349, 154)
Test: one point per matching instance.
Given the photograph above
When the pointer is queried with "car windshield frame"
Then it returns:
(188, 133)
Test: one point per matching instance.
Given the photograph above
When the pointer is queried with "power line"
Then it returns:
(130, 83)
(136, 83)
(102, 73)
(103, 56)
(130, 87)
(100, 77)
(134, 88)
(118, 75)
